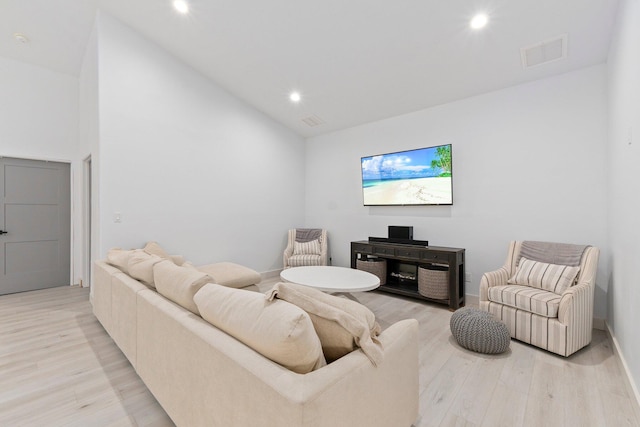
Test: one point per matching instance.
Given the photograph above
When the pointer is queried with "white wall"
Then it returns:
(188, 164)
(529, 163)
(624, 184)
(38, 112)
(39, 120)
(88, 139)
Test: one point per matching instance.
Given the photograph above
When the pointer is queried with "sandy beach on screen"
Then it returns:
(414, 191)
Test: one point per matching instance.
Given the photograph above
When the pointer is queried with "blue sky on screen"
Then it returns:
(406, 164)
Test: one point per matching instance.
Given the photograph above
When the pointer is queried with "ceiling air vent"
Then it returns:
(312, 121)
(544, 52)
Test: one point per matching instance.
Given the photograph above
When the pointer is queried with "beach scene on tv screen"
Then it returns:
(415, 177)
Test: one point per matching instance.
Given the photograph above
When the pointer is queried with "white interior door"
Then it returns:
(35, 218)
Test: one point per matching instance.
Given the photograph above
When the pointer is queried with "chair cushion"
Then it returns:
(341, 324)
(278, 330)
(231, 275)
(533, 300)
(307, 248)
(179, 284)
(550, 277)
(302, 260)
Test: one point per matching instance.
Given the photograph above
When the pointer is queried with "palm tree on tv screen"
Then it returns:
(443, 160)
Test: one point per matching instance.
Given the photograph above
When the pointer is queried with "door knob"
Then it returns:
(4, 232)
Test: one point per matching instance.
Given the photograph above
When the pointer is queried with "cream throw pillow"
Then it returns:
(178, 260)
(153, 248)
(231, 274)
(179, 284)
(278, 330)
(306, 248)
(341, 324)
(550, 277)
(119, 258)
(140, 266)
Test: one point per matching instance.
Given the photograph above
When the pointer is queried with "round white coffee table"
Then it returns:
(331, 279)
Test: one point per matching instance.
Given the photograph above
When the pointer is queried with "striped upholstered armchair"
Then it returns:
(544, 293)
(306, 246)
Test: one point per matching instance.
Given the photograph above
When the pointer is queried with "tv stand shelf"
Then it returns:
(415, 255)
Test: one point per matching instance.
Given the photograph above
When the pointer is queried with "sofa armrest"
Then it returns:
(288, 251)
(397, 337)
(497, 277)
(202, 377)
(576, 304)
(357, 393)
(576, 313)
(324, 255)
(360, 394)
(100, 293)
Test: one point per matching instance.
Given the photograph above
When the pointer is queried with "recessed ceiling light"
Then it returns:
(21, 38)
(181, 6)
(295, 97)
(479, 21)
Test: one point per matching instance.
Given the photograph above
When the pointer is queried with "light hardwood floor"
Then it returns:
(58, 367)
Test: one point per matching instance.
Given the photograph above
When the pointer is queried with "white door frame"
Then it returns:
(86, 221)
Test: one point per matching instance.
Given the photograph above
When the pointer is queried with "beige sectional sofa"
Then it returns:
(204, 377)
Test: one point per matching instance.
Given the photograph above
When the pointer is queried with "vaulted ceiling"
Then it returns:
(353, 61)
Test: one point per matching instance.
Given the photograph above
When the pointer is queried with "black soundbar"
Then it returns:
(399, 241)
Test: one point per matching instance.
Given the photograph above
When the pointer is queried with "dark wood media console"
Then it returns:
(399, 256)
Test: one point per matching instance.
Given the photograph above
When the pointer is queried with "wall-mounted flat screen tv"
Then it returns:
(412, 177)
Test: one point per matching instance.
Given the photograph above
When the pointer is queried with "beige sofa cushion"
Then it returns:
(153, 248)
(119, 258)
(178, 260)
(140, 266)
(231, 275)
(549, 277)
(278, 330)
(179, 284)
(341, 324)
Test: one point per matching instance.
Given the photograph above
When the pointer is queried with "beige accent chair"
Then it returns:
(301, 251)
(560, 323)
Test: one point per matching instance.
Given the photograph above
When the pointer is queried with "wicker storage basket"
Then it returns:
(433, 282)
(377, 266)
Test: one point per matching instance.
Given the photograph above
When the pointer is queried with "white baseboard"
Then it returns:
(625, 367)
(471, 300)
(599, 324)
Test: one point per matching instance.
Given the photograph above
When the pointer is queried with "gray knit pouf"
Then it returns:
(479, 331)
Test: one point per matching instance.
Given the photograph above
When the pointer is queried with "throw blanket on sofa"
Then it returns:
(307, 234)
(552, 253)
